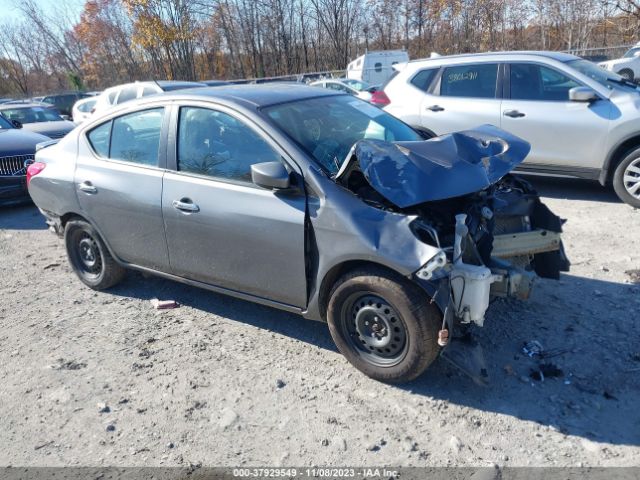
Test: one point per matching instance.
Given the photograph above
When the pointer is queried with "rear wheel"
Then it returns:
(384, 325)
(89, 256)
(626, 179)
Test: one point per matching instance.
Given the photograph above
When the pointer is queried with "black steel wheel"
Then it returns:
(383, 324)
(374, 329)
(89, 257)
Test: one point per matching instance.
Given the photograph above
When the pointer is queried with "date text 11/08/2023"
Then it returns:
(317, 472)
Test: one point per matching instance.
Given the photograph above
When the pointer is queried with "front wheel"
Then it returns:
(626, 179)
(384, 325)
(89, 257)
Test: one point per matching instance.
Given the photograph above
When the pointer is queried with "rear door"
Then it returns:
(563, 134)
(222, 229)
(465, 96)
(119, 183)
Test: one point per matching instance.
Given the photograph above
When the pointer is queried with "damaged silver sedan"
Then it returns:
(307, 201)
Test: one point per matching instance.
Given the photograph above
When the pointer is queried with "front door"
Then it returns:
(222, 229)
(118, 180)
(467, 96)
(562, 133)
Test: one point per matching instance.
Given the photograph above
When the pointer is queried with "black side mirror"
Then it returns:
(16, 123)
(271, 175)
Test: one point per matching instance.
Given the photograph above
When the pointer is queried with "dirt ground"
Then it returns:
(98, 379)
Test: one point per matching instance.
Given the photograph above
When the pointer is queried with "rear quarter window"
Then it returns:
(422, 80)
(99, 139)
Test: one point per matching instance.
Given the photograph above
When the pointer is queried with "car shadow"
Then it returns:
(21, 217)
(582, 321)
(572, 189)
(147, 287)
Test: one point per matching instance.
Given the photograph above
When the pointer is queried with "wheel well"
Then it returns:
(70, 216)
(616, 157)
(338, 271)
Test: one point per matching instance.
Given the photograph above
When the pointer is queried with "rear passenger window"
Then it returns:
(218, 145)
(132, 138)
(423, 79)
(477, 81)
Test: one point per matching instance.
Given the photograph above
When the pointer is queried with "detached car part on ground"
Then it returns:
(398, 243)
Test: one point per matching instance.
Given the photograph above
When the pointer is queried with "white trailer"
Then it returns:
(376, 67)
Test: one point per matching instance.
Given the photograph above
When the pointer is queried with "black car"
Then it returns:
(17, 150)
(64, 101)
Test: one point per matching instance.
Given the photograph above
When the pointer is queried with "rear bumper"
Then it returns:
(13, 190)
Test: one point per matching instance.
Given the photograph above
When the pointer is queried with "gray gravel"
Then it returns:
(104, 379)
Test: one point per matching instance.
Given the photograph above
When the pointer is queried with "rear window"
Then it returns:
(474, 81)
(128, 93)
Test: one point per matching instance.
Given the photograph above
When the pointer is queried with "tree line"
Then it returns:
(117, 41)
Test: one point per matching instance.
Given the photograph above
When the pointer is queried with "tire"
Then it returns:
(89, 257)
(626, 179)
(384, 325)
(627, 74)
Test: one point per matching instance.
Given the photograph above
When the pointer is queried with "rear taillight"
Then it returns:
(34, 169)
(380, 98)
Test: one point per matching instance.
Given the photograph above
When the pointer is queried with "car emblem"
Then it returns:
(28, 162)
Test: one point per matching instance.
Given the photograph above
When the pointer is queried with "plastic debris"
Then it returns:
(164, 304)
(443, 337)
(533, 348)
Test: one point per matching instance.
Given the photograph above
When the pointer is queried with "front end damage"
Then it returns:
(492, 235)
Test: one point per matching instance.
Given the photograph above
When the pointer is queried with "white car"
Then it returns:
(82, 110)
(628, 66)
(580, 120)
(357, 88)
(130, 91)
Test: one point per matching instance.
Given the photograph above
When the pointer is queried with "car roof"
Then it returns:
(559, 56)
(258, 95)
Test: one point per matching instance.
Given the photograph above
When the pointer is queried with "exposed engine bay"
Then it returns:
(492, 241)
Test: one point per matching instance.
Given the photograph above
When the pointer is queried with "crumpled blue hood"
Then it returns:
(410, 173)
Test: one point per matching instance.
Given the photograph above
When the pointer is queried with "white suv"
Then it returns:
(581, 120)
(628, 66)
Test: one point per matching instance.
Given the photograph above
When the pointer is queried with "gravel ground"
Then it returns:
(98, 379)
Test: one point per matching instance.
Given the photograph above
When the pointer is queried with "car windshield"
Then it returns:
(4, 124)
(32, 114)
(604, 77)
(357, 84)
(630, 53)
(327, 127)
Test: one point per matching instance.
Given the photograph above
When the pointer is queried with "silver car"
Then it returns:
(309, 201)
(581, 120)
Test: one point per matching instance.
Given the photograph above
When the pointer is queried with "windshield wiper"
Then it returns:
(623, 81)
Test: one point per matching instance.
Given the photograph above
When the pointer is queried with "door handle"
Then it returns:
(87, 187)
(435, 108)
(185, 205)
(513, 114)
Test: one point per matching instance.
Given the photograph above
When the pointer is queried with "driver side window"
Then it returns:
(215, 144)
